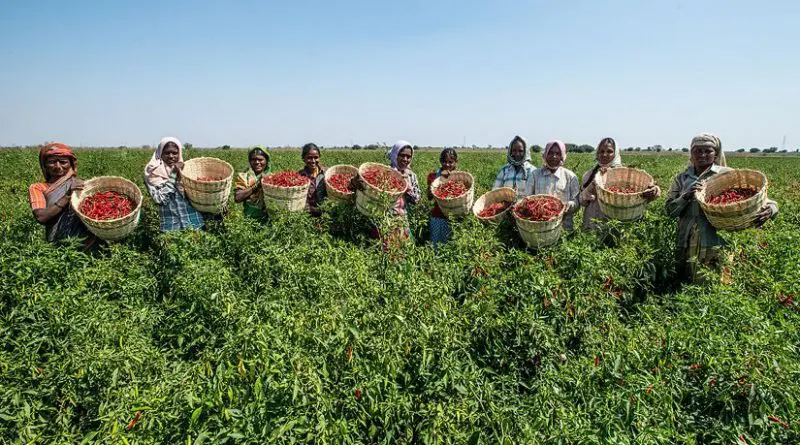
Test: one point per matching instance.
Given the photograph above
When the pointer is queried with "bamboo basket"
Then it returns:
(622, 206)
(458, 206)
(112, 229)
(337, 195)
(373, 202)
(737, 215)
(208, 197)
(538, 234)
(491, 197)
(292, 199)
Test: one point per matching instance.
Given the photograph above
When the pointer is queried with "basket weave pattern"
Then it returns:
(622, 206)
(537, 234)
(334, 194)
(458, 206)
(737, 215)
(112, 229)
(372, 201)
(491, 197)
(209, 197)
(292, 199)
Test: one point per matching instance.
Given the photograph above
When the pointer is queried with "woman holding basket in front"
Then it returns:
(698, 242)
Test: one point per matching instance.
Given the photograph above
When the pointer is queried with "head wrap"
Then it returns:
(156, 171)
(51, 149)
(710, 140)
(526, 157)
(396, 149)
(617, 161)
(549, 146)
(259, 149)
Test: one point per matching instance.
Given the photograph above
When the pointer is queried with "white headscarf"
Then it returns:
(617, 161)
(709, 139)
(395, 150)
(156, 171)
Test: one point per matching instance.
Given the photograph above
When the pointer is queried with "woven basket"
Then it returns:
(112, 229)
(491, 197)
(334, 194)
(372, 201)
(461, 205)
(209, 197)
(292, 199)
(737, 215)
(537, 234)
(622, 206)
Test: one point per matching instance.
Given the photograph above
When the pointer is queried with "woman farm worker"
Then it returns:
(162, 178)
(519, 169)
(439, 225)
(316, 174)
(248, 184)
(698, 242)
(607, 156)
(50, 200)
(555, 180)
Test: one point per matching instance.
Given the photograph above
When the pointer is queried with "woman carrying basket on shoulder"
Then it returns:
(607, 156)
(698, 242)
(50, 200)
(162, 177)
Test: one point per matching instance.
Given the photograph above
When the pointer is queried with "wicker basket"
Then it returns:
(737, 215)
(622, 206)
(458, 206)
(491, 197)
(372, 201)
(209, 197)
(334, 194)
(292, 199)
(112, 229)
(537, 234)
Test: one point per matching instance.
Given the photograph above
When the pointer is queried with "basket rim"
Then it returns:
(392, 171)
(620, 169)
(436, 184)
(537, 197)
(734, 171)
(330, 171)
(79, 199)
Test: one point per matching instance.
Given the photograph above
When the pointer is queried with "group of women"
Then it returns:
(697, 242)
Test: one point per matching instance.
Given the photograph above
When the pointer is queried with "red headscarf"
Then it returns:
(56, 149)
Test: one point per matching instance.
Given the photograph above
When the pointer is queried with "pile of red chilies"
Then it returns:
(285, 179)
(731, 195)
(622, 189)
(494, 208)
(541, 209)
(384, 180)
(450, 190)
(341, 182)
(105, 206)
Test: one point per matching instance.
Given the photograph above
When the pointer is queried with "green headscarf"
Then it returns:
(259, 149)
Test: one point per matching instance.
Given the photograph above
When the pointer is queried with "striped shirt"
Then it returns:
(174, 210)
(563, 184)
(518, 179)
(36, 195)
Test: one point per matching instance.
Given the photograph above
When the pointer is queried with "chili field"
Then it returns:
(304, 330)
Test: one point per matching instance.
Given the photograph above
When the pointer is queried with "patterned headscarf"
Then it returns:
(396, 149)
(156, 171)
(526, 157)
(56, 149)
(709, 139)
(550, 145)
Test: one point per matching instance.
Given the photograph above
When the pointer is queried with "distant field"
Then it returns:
(305, 331)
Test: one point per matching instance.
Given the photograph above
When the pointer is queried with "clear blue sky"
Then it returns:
(432, 72)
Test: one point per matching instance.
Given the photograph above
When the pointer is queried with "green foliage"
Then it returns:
(303, 330)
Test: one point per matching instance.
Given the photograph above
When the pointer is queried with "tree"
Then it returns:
(782, 151)
(754, 150)
(670, 149)
(372, 147)
(356, 147)
(685, 149)
(658, 147)
(638, 149)
(571, 148)
(536, 148)
(226, 147)
(585, 148)
(771, 150)
(741, 150)
(187, 146)
(629, 149)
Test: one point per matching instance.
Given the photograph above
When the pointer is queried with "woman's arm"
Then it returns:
(413, 193)
(676, 201)
(162, 193)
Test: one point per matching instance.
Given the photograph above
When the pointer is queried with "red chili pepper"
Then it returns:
(779, 421)
(494, 208)
(341, 182)
(104, 206)
(450, 189)
(358, 393)
(731, 195)
(384, 180)
(285, 179)
(133, 422)
(542, 209)
(596, 361)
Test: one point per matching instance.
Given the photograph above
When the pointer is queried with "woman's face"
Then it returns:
(606, 153)
(404, 158)
(311, 160)
(258, 163)
(518, 151)
(554, 157)
(57, 166)
(449, 163)
(703, 156)
(170, 154)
